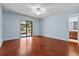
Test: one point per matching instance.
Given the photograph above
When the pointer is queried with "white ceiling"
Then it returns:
(50, 8)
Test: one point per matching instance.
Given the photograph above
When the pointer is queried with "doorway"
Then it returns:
(25, 28)
(73, 29)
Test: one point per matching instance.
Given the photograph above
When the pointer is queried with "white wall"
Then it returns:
(55, 26)
(11, 26)
(0, 25)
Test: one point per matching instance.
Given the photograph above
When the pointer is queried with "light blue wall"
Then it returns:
(55, 26)
(0, 23)
(11, 26)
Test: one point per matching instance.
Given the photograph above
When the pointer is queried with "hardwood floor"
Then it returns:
(38, 46)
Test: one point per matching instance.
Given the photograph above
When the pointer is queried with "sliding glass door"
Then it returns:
(29, 28)
(25, 28)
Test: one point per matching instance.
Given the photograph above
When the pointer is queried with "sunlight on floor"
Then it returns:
(73, 40)
(25, 45)
(73, 51)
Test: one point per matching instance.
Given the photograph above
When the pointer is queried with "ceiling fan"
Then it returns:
(37, 9)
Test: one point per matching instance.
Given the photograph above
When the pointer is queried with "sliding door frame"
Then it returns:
(26, 28)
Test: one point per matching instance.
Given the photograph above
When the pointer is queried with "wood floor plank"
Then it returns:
(38, 46)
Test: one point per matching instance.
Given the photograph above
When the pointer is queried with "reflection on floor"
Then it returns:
(39, 46)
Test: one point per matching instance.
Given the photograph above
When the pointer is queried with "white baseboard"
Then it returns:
(55, 37)
(11, 39)
(1, 43)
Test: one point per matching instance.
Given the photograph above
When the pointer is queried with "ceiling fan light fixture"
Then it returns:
(38, 10)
